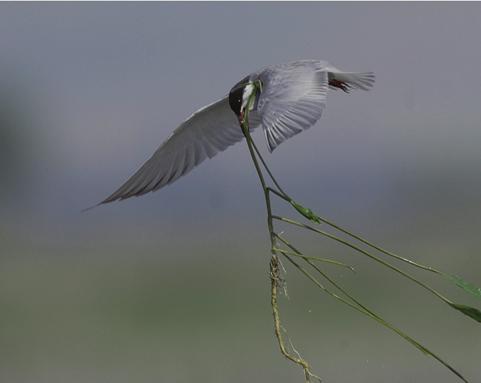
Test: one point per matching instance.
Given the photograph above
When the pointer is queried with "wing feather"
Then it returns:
(292, 100)
(207, 132)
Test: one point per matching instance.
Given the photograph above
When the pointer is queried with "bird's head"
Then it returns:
(242, 97)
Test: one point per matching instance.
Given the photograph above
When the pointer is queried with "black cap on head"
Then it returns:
(235, 95)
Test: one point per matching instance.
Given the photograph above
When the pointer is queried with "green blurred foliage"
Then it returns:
(16, 138)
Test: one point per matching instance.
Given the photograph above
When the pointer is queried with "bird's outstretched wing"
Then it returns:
(292, 100)
(207, 132)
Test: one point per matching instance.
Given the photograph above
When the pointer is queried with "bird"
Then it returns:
(291, 99)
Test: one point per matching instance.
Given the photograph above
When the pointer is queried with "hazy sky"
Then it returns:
(157, 288)
(104, 84)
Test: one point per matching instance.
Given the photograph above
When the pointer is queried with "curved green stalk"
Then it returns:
(310, 215)
(274, 263)
(347, 299)
(358, 249)
(466, 310)
(357, 305)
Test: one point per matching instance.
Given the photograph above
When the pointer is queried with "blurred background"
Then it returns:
(174, 287)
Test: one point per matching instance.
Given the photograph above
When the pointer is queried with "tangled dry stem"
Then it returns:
(278, 328)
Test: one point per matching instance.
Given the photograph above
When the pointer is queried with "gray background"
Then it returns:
(173, 286)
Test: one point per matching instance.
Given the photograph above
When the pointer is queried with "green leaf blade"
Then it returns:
(471, 312)
(466, 286)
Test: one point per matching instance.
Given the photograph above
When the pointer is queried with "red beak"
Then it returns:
(241, 117)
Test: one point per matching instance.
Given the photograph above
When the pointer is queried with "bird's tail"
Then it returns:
(351, 80)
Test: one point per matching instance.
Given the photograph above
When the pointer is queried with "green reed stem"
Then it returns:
(348, 299)
(358, 249)
(360, 307)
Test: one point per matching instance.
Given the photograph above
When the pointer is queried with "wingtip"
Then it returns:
(107, 200)
(91, 207)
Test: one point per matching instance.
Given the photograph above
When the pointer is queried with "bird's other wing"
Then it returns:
(207, 132)
(292, 100)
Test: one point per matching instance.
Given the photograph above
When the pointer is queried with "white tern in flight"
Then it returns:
(291, 99)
